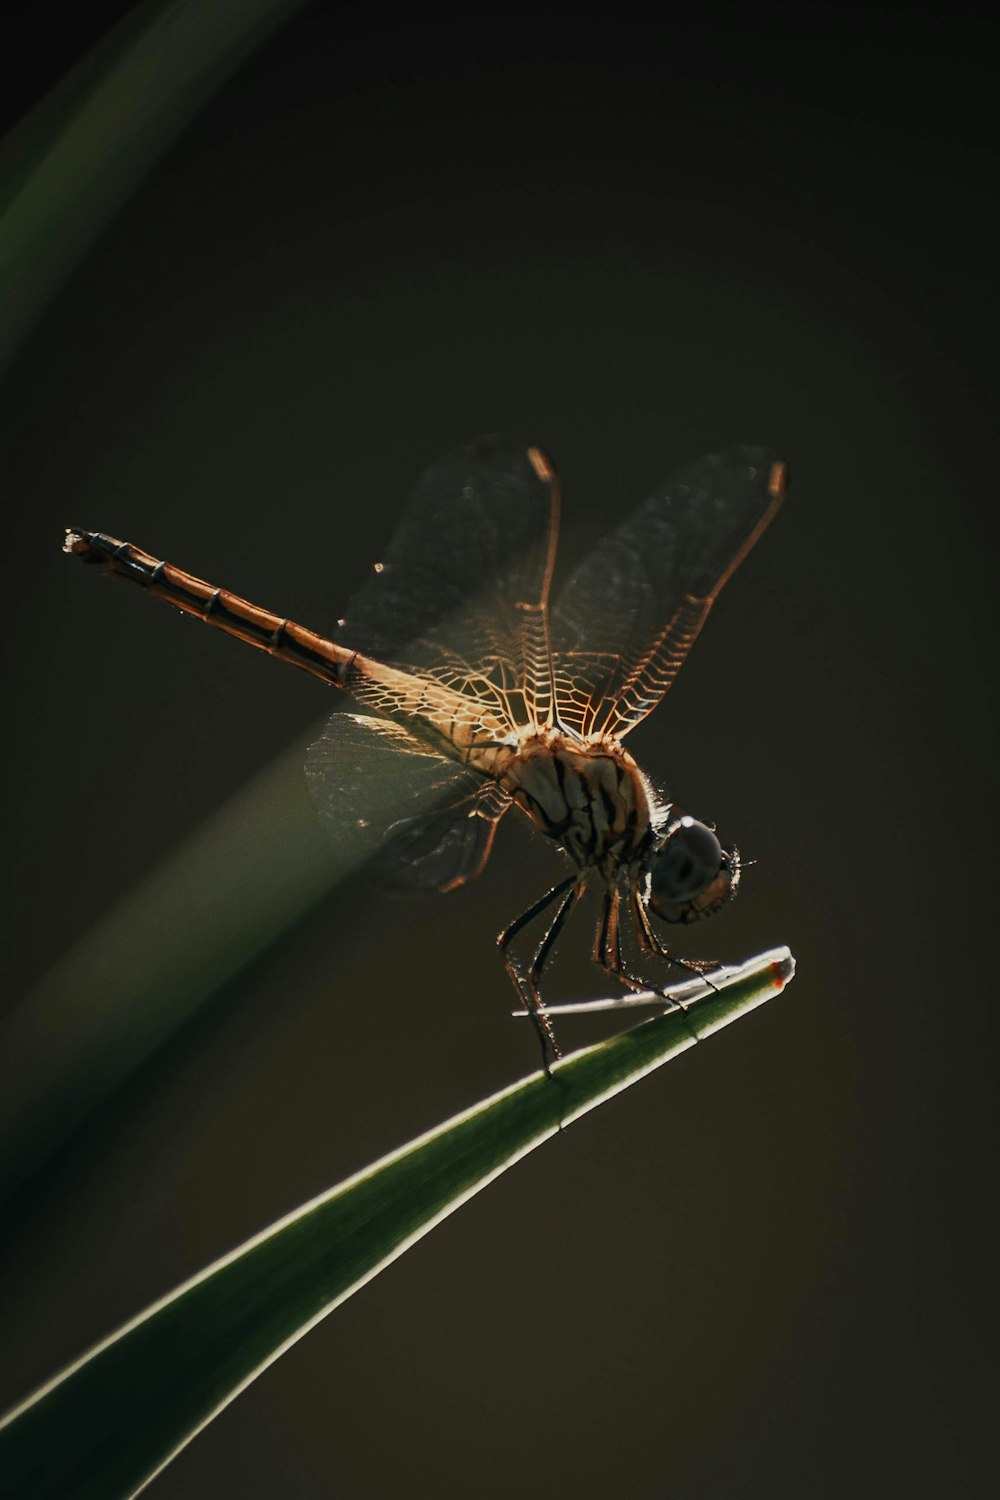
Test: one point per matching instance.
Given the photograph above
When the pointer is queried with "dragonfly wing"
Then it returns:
(461, 593)
(445, 848)
(420, 821)
(630, 613)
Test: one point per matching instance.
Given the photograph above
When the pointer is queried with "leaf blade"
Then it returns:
(114, 1419)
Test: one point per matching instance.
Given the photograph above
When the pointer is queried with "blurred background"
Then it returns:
(763, 1271)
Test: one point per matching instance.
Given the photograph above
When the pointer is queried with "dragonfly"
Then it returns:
(480, 695)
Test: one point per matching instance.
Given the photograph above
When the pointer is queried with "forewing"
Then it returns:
(461, 593)
(630, 613)
(419, 821)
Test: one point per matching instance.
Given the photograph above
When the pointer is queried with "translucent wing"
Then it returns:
(445, 848)
(630, 613)
(461, 593)
(422, 822)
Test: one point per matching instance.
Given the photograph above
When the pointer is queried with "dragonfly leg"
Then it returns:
(607, 953)
(607, 935)
(650, 943)
(543, 1022)
(526, 985)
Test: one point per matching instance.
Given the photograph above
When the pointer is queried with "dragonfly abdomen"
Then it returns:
(219, 607)
(452, 721)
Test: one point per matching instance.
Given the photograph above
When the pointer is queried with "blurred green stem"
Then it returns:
(71, 164)
(209, 909)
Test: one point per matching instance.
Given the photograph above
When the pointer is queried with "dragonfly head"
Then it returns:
(691, 875)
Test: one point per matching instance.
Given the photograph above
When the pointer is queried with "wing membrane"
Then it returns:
(420, 821)
(461, 594)
(630, 613)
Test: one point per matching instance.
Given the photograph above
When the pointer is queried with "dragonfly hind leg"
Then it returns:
(527, 984)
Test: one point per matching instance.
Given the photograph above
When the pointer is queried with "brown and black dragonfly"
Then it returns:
(482, 696)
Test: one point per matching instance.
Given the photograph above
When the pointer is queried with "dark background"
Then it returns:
(762, 1272)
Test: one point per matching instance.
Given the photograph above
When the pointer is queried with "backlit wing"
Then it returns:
(421, 822)
(630, 613)
(461, 593)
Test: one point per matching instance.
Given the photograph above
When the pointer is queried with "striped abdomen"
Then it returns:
(451, 721)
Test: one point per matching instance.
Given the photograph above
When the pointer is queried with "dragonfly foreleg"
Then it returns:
(650, 943)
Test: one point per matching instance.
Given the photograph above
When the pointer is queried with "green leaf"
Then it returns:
(110, 1422)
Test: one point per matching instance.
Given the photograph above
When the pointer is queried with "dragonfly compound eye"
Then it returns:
(692, 874)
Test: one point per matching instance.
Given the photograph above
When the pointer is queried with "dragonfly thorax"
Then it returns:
(590, 798)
